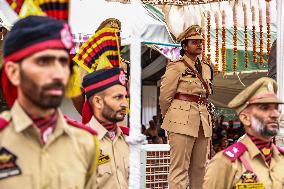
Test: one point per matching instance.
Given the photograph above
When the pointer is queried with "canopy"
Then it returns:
(85, 17)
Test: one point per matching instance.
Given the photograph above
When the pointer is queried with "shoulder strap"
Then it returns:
(234, 151)
(199, 77)
(79, 125)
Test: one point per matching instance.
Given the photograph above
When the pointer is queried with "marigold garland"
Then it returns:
(235, 40)
(203, 36)
(216, 67)
(268, 28)
(254, 55)
(261, 60)
(208, 37)
(223, 50)
(246, 34)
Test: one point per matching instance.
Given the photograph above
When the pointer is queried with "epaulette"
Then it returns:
(280, 149)
(125, 130)
(177, 60)
(234, 151)
(80, 125)
(3, 123)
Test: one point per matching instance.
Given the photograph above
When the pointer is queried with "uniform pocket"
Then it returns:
(104, 173)
(16, 182)
(71, 180)
(179, 112)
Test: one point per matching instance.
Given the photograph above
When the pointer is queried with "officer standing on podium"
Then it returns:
(184, 92)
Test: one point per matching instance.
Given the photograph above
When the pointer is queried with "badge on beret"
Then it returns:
(66, 37)
(103, 158)
(8, 166)
(122, 78)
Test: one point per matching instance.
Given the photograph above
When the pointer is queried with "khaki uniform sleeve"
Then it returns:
(93, 165)
(219, 173)
(169, 86)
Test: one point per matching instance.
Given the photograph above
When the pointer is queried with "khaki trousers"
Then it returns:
(188, 156)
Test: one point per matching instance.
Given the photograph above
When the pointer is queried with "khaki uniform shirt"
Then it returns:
(180, 116)
(62, 163)
(112, 173)
(229, 172)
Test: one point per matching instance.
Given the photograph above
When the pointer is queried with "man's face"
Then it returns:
(264, 119)
(43, 78)
(114, 103)
(194, 47)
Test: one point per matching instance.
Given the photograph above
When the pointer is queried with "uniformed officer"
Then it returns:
(254, 161)
(108, 23)
(184, 90)
(40, 148)
(106, 105)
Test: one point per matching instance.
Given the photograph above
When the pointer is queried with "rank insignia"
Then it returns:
(103, 158)
(8, 166)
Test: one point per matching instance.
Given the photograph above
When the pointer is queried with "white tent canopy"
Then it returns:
(7, 15)
(86, 16)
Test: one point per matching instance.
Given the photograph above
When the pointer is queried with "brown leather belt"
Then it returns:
(191, 98)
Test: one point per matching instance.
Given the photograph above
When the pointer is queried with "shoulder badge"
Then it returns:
(281, 149)
(234, 151)
(8, 166)
(79, 125)
(3, 123)
(125, 130)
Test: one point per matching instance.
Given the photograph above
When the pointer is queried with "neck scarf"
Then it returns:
(263, 146)
(110, 127)
(45, 125)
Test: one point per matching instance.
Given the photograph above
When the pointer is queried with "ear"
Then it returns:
(12, 70)
(98, 102)
(245, 118)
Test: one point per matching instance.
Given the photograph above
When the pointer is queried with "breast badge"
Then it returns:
(248, 180)
(8, 166)
(103, 158)
(188, 73)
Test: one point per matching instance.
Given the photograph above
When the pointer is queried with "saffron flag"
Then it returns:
(100, 51)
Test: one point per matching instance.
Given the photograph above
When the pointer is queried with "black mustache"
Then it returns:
(122, 110)
(54, 85)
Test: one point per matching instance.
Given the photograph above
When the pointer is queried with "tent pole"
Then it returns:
(135, 139)
(280, 54)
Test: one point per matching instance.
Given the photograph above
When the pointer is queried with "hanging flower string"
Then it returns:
(235, 40)
(268, 27)
(254, 55)
(208, 37)
(203, 36)
(216, 67)
(246, 34)
(223, 50)
(260, 38)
